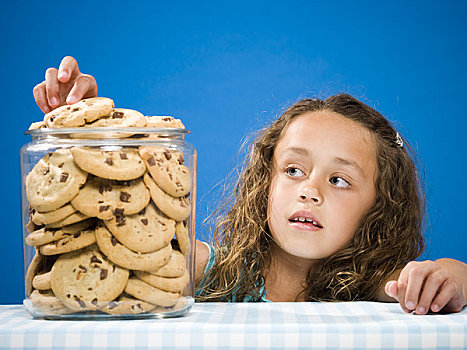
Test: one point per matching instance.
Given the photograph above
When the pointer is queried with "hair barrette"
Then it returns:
(399, 141)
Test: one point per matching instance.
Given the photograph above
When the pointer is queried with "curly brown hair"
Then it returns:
(389, 235)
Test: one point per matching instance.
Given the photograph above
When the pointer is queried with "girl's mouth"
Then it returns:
(305, 222)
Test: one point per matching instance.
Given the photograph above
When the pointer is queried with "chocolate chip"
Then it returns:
(61, 165)
(167, 119)
(94, 301)
(79, 301)
(68, 296)
(83, 268)
(52, 119)
(120, 220)
(118, 211)
(151, 161)
(104, 274)
(167, 155)
(125, 197)
(114, 241)
(75, 109)
(94, 259)
(103, 208)
(144, 221)
(180, 159)
(109, 161)
(46, 171)
(123, 155)
(64, 177)
(117, 115)
(105, 187)
(76, 235)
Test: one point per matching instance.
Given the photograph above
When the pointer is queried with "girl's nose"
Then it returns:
(311, 193)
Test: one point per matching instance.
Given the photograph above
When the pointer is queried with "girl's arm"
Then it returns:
(423, 286)
(201, 259)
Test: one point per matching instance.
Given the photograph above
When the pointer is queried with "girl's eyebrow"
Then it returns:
(299, 150)
(350, 163)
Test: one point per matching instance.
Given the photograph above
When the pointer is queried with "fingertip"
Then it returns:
(420, 310)
(63, 76)
(391, 289)
(71, 99)
(54, 102)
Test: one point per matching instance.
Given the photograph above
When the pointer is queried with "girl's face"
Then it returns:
(323, 182)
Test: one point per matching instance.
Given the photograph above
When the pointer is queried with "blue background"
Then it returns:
(228, 68)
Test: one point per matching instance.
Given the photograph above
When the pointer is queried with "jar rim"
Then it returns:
(106, 129)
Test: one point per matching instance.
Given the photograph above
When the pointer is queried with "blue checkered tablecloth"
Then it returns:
(351, 325)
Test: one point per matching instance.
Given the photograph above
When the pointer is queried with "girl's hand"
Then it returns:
(430, 286)
(65, 85)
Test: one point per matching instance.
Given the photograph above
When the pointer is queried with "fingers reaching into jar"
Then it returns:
(65, 85)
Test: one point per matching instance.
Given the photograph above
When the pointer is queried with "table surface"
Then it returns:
(245, 325)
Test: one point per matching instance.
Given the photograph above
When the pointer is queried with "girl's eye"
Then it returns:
(294, 172)
(339, 182)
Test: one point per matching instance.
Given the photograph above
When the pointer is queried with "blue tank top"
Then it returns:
(209, 264)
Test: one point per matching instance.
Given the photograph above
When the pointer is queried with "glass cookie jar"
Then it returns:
(108, 222)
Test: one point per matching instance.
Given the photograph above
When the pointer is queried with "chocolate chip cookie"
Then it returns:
(144, 232)
(168, 284)
(86, 280)
(105, 198)
(122, 118)
(144, 291)
(177, 208)
(167, 169)
(80, 113)
(175, 267)
(157, 121)
(54, 181)
(127, 258)
(69, 243)
(122, 164)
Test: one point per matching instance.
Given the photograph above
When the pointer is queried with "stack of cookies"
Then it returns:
(109, 224)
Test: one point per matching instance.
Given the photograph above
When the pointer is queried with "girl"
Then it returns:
(328, 207)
